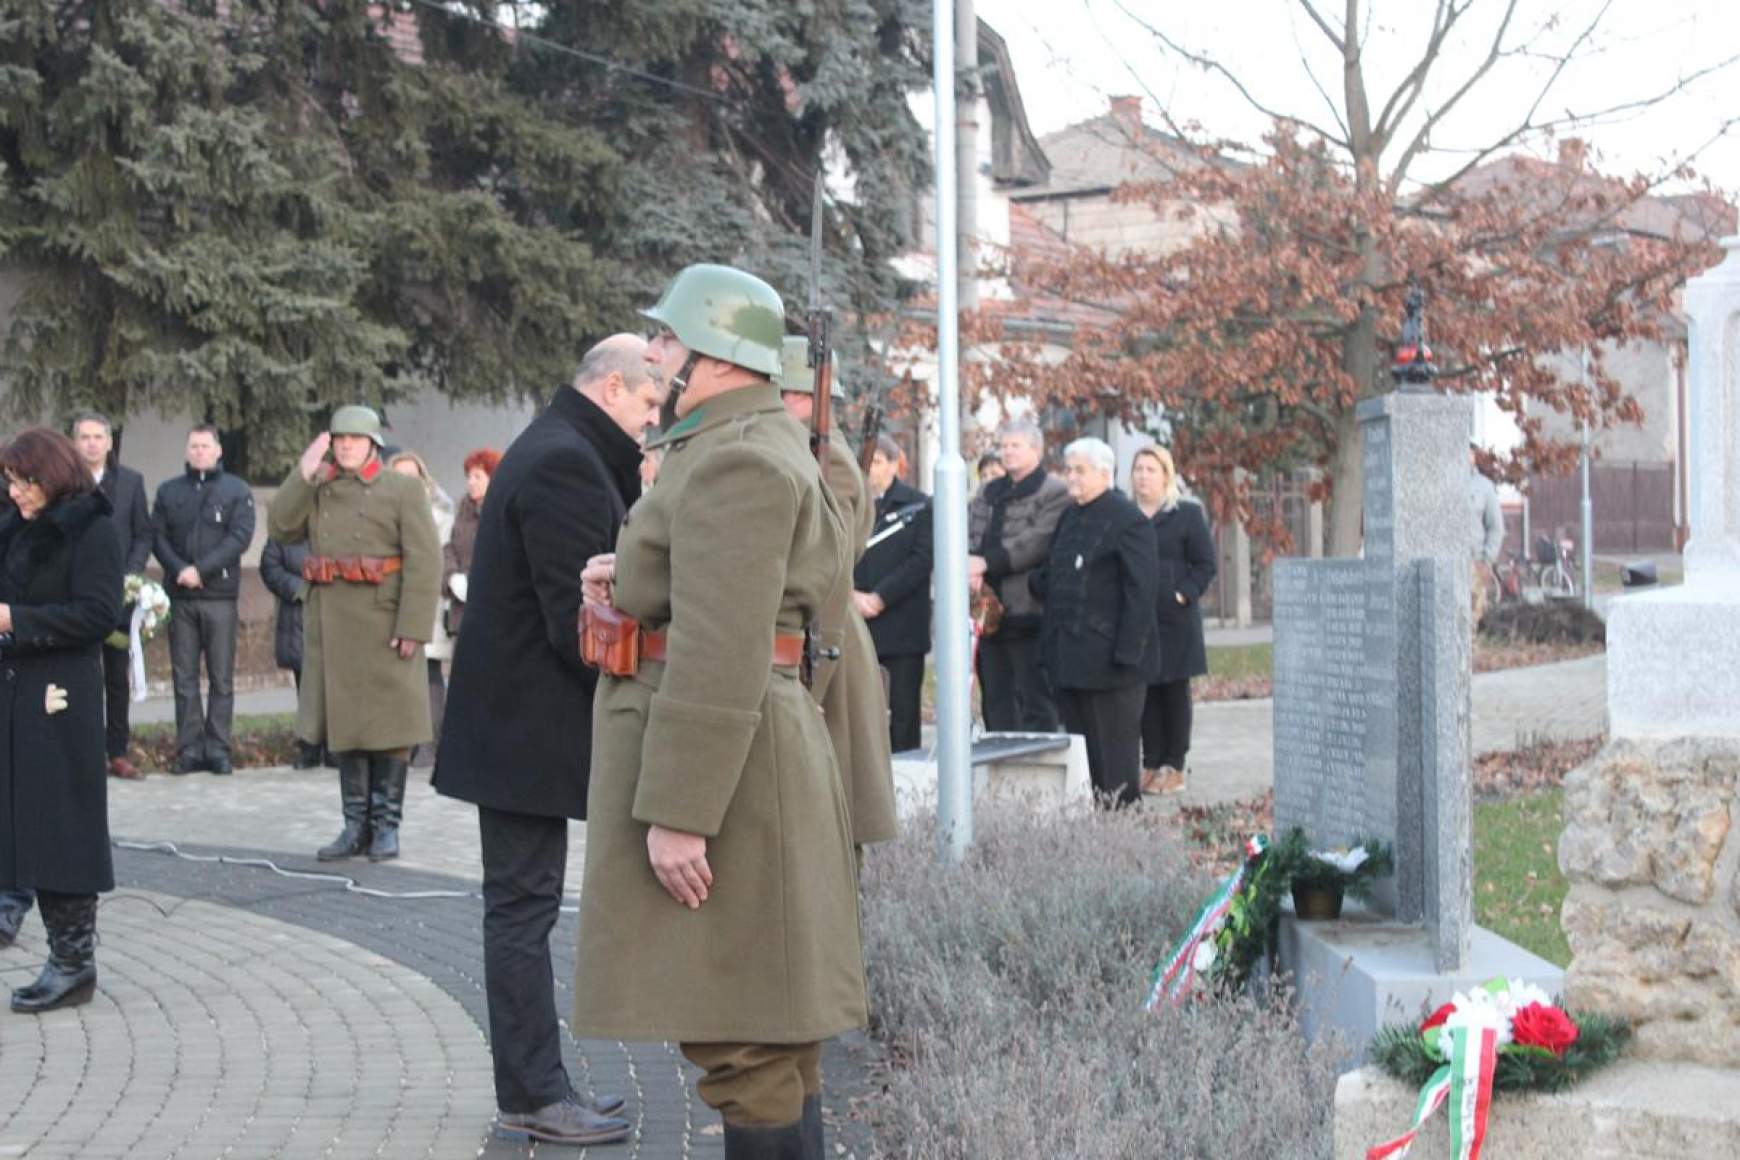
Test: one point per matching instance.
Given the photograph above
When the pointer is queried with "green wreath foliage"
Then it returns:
(1400, 1052)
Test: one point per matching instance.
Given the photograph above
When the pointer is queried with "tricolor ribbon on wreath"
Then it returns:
(1195, 954)
(1469, 1033)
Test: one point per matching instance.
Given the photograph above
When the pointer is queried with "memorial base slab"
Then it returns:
(1631, 1110)
(1048, 780)
(1656, 686)
(1365, 970)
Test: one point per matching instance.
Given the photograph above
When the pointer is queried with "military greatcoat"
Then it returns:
(357, 693)
(738, 541)
(851, 692)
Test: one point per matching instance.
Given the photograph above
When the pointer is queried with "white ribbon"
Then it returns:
(136, 653)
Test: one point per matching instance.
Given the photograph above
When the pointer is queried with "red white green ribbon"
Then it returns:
(1465, 1083)
(1172, 978)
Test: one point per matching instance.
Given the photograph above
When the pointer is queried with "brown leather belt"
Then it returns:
(351, 569)
(788, 647)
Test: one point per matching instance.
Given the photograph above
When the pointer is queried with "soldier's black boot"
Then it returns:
(353, 789)
(785, 1143)
(14, 905)
(387, 773)
(814, 1140)
(70, 975)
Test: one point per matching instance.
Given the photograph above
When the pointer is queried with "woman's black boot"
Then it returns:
(70, 975)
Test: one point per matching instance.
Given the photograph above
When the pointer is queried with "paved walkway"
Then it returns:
(247, 1013)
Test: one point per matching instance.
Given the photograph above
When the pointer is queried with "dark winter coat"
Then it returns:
(1187, 568)
(1011, 524)
(126, 491)
(61, 575)
(203, 518)
(281, 572)
(1099, 585)
(898, 570)
(456, 556)
(518, 730)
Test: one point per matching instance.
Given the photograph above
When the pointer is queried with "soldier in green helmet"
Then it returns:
(372, 583)
(849, 688)
(720, 907)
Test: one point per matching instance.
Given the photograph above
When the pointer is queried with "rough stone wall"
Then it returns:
(1652, 852)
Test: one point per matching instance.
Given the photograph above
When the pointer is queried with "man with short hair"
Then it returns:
(1488, 531)
(1010, 523)
(94, 438)
(202, 522)
(518, 736)
(892, 589)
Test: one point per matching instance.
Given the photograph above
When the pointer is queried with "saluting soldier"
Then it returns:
(373, 572)
(849, 689)
(720, 906)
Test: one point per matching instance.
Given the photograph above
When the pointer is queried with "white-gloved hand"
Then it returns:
(55, 701)
(456, 585)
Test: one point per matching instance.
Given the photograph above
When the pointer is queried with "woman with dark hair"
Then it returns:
(60, 596)
(480, 465)
(1186, 570)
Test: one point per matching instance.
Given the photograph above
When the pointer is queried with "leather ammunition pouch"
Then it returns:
(610, 641)
(351, 569)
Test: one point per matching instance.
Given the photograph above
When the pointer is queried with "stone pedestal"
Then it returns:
(1365, 971)
(1045, 782)
(1673, 661)
(1629, 1111)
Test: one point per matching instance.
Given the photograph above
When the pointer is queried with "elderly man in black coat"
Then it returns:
(891, 586)
(518, 735)
(94, 439)
(1098, 642)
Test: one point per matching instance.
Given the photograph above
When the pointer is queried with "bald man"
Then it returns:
(518, 736)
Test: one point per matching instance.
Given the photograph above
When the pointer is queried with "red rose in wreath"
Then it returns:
(1436, 1018)
(1538, 1025)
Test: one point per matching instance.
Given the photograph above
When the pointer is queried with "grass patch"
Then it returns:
(1236, 661)
(256, 740)
(1518, 889)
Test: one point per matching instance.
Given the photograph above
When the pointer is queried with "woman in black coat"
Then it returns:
(1097, 641)
(281, 573)
(1187, 568)
(60, 596)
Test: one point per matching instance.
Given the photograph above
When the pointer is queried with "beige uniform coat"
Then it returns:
(356, 691)
(851, 692)
(738, 540)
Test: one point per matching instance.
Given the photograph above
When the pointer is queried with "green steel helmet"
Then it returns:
(357, 420)
(726, 314)
(796, 374)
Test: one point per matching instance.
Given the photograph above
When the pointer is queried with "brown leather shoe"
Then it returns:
(1170, 780)
(122, 768)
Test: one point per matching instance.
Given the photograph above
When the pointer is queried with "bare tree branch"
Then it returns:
(1328, 101)
(1492, 57)
(1209, 64)
(1443, 20)
(1335, 38)
(1529, 125)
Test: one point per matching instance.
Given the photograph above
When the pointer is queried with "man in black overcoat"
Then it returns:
(891, 586)
(94, 438)
(518, 735)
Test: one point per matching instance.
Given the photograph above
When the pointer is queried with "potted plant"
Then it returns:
(1322, 879)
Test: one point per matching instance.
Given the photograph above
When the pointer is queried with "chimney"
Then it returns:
(1127, 111)
(1572, 151)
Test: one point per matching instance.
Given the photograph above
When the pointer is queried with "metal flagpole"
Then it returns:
(954, 716)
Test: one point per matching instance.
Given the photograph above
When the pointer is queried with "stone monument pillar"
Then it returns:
(1651, 847)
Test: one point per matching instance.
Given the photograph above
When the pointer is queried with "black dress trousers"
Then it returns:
(525, 857)
(1110, 720)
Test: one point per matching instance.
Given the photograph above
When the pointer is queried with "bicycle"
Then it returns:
(1554, 563)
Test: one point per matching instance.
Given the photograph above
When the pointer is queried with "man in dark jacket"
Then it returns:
(203, 522)
(95, 441)
(1010, 523)
(891, 586)
(518, 735)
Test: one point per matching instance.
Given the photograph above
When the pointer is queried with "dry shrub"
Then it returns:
(1551, 622)
(1009, 993)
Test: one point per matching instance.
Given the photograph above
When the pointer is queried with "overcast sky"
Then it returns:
(1071, 55)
